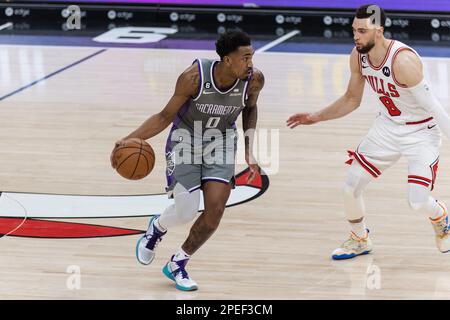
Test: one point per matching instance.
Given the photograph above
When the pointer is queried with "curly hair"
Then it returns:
(230, 41)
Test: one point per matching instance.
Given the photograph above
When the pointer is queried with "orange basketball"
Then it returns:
(135, 160)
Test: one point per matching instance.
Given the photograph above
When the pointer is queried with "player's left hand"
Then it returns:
(254, 168)
(118, 144)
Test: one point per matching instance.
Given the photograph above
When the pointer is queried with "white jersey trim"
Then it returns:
(386, 57)
(216, 178)
(244, 93)
(214, 85)
(201, 79)
(393, 61)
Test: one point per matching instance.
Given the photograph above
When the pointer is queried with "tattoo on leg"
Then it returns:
(200, 232)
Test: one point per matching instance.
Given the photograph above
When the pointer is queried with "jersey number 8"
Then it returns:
(390, 106)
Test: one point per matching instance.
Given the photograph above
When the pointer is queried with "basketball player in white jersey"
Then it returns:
(409, 125)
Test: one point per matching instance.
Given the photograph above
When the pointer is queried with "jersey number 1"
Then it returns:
(390, 106)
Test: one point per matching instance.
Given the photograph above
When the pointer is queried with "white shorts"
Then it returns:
(387, 141)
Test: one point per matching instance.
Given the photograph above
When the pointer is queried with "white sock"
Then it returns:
(359, 229)
(181, 255)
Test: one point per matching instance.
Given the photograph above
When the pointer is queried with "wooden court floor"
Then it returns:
(56, 137)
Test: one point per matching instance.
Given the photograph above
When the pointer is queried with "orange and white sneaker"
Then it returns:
(353, 247)
(441, 228)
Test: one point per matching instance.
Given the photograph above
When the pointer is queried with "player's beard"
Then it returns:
(366, 48)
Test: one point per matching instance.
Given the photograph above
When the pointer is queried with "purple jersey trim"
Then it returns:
(181, 113)
(168, 147)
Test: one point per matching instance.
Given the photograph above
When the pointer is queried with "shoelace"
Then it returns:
(351, 243)
(443, 226)
(181, 269)
(153, 239)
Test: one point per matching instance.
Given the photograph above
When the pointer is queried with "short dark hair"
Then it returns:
(230, 41)
(365, 11)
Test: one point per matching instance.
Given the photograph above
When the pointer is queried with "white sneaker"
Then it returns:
(175, 271)
(441, 228)
(353, 247)
(146, 245)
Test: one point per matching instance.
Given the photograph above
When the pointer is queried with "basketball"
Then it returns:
(135, 159)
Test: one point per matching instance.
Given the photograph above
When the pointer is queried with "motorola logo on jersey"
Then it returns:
(364, 59)
(207, 85)
(386, 71)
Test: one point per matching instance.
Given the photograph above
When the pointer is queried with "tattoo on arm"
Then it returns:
(195, 79)
(250, 112)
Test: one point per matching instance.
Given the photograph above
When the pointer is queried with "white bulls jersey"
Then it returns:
(395, 100)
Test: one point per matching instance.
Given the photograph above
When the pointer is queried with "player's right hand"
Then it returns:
(301, 118)
(119, 143)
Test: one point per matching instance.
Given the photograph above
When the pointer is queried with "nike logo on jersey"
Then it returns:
(365, 67)
(431, 127)
(208, 92)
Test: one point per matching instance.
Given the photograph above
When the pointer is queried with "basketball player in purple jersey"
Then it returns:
(208, 97)
(409, 124)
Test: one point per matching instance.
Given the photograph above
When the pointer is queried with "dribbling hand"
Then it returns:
(119, 143)
(301, 118)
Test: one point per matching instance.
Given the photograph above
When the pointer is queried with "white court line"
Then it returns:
(277, 41)
(6, 25)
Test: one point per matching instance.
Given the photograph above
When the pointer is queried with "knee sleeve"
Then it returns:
(419, 199)
(418, 206)
(186, 203)
(349, 191)
(183, 210)
(356, 182)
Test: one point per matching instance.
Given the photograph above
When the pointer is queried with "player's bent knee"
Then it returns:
(214, 216)
(187, 204)
(186, 216)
